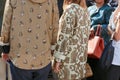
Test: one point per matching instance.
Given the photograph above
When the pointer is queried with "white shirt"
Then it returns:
(116, 44)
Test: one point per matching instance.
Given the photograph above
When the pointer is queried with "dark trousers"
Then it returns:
(20, 74)
(94, 64)
(113, 73)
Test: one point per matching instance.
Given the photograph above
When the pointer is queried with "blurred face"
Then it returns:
(99, 1)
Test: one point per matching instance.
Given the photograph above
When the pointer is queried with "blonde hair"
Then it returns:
(72, 1)
(82, 3)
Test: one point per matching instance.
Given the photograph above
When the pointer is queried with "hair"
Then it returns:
(72, 1)
(82, 3)
(105, 1)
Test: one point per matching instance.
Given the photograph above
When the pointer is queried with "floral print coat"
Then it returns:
(72, 42)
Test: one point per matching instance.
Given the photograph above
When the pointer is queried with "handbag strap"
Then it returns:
(98, 32)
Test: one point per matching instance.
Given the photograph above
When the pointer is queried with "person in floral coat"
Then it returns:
(71, 48)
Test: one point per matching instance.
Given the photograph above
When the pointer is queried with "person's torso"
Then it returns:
(30, 33)
(116, 44)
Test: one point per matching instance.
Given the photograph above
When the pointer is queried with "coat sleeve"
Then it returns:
(107, 14)
(5, 32)
(55, 21)
(66, 24)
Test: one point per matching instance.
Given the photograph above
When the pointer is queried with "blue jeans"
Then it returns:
(21, 74)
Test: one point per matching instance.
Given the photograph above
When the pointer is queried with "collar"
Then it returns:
(38, 1)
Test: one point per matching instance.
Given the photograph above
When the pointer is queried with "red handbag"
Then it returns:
(96, 45)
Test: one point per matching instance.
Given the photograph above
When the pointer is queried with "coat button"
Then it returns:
(29, 30)
(40, 5)
(35, 47)
(25, 61)
(39, 16)
(50, 27)
(18, 55)
(44, 41)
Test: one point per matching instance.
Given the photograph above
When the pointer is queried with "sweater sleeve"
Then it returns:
(55, 21)
(5, 32)
(4, 38)
(65, 32)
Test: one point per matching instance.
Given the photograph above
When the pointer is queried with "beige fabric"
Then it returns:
(38, 1)
(30, 29)
(72, 42)
(3, 70)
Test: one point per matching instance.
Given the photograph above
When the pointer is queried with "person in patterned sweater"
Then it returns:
(29, 30)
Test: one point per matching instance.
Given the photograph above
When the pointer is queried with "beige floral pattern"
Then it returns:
(72, 42)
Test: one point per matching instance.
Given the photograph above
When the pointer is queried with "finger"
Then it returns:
(56, 70)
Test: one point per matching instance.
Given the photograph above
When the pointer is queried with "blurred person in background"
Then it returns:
(113, 73)
(100, 14)
(113, 3)
(89, 3)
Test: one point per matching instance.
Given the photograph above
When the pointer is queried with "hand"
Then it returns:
(92, 34)
(57, 67)
(5, 56)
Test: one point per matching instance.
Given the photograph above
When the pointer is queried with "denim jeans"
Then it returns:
(21, 74)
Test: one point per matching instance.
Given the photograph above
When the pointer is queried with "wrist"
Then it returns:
(4, 54)
(58, 60)
(112, 36)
